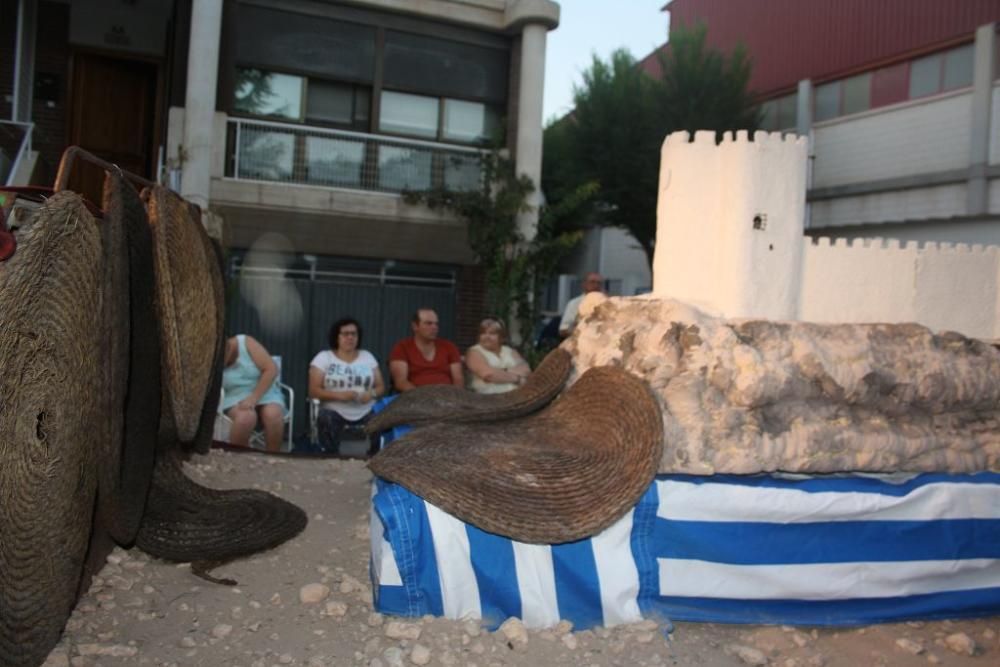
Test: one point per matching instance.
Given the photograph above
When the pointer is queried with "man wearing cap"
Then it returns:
(593, 282)
(424, 358)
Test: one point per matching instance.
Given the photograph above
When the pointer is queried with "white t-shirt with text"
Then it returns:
(340, 375)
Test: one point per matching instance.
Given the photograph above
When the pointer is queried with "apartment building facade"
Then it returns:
(297, 125)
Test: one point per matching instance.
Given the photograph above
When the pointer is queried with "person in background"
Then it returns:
(494, 367)
(250, 392)
(423, 358)
(592, 282)
(346, 380)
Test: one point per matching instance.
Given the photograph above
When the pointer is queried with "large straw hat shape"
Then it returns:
(186, 305)
(187, 522)
(438, 403)
(131, 343)
(558, 475)
(50, 386)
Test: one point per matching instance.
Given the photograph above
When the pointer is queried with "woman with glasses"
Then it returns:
(346, 380)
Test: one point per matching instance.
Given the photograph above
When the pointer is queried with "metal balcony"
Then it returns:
(269, 151)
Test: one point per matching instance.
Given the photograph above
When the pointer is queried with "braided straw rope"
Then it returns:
(186, 307)
(559, 475)
(438, 403)
(131, 341)
(50, 332)
(185, 521)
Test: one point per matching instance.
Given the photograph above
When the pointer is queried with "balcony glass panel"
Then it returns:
(462, 172)
(261, 93)
(414, 115)
(404, 168)
(266, 155)
(333, 161)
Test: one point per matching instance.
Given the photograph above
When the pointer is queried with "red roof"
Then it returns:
(790, 40)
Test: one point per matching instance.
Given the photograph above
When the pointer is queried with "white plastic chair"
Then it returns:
(223, 424)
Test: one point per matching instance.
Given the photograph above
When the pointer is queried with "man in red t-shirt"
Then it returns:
(424, 358)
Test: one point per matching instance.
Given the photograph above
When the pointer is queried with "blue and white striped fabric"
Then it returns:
(760, 549)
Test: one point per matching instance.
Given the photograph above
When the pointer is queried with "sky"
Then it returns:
(588, 27)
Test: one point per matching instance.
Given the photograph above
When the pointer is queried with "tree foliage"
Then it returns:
(622, 114)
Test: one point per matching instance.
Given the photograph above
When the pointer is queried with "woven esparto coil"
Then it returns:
(439, 403)
(555, 476)
(50, 334)
(186, 306)
(185, 521)
(131, 341)
(202, 442)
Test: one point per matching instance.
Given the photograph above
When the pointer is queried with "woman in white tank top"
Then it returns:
(494, 367)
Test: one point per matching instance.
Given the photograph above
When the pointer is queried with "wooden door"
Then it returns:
(112, 115)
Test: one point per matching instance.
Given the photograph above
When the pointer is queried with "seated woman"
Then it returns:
(250, 392)
(494, 367)
(346, 380)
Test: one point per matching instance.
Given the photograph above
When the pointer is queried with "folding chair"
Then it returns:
(223, 423)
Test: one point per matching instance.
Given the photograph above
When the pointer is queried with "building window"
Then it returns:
(940, 72)
(338, 104)
(856, 95)
(468, 122)
(958, 66)
(780, 113)
(827, 101)
(445, 119)
(413, 115)
(847, 96)
(260, 93)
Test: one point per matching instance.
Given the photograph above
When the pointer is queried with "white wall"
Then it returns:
(913, 138)
(927, 203)
(944, 287)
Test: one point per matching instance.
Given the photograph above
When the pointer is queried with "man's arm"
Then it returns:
(457, 378)
(400, 371)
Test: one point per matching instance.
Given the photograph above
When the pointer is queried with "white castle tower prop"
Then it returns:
(729, 223)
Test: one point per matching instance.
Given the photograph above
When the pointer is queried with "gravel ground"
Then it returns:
(308, 602)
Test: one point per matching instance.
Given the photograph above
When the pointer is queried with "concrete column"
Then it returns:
(528, 159)
(977, 200)
(803, 127)
(804, 108)
(533, 18)
(199, 101)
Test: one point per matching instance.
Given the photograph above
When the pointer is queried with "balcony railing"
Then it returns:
(284, 153)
